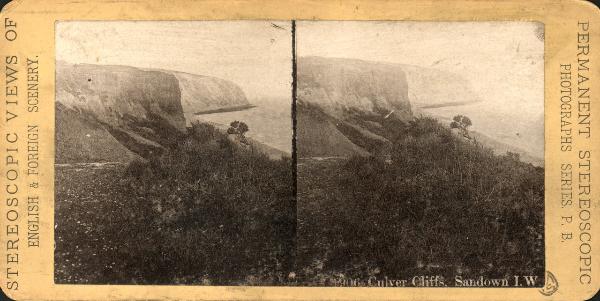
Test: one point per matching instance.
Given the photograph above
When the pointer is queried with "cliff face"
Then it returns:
(343, 105)
(110, 93)
(204, 93)
(432, 88)
(119, 113)
(342, 86)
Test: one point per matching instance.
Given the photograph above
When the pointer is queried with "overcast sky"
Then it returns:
(253, 54)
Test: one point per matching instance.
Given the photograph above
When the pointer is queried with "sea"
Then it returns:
(270, 122)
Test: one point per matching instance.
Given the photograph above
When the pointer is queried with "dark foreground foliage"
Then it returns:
(210, 210)
(439, 205)
(207, 211)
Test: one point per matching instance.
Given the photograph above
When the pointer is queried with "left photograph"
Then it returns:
(173, 159)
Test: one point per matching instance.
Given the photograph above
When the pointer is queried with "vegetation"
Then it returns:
(207, 210)
(443, 205)
(204, 212)
(239, 128)
(462, 123)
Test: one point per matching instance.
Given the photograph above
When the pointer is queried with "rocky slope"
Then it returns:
(80, 139)
(119, 113)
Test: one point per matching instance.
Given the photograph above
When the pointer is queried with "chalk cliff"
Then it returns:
(343, 86)
(205, 93)
(119, 113)
(343, 102)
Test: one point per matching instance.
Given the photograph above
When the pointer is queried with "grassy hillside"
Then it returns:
(441, 206)
(205, 211)
(501, 144)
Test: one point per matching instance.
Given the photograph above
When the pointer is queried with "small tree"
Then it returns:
(239, 128)
(462, 123)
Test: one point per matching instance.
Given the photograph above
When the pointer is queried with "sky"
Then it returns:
(503, 61)
(256, 55)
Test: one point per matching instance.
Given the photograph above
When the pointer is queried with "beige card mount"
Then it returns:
(299, 150)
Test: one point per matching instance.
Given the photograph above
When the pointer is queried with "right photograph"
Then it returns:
(420, 153)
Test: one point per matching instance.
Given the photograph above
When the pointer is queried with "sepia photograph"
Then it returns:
(301, 153)
(173, 153)
(420, 152)
(299, 150)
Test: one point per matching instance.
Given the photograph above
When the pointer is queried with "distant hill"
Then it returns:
(201, 94)
(433, 88)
